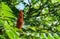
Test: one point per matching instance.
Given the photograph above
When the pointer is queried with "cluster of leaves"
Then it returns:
(42, 20)
(7, 19)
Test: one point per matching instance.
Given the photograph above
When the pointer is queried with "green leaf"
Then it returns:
(6, 11)
(55, 1)
(50, 36)
(58, 0)
(6, 15)
(43, 35)
(37, 5)
(58, 28)
(56, 36)
(10, 31)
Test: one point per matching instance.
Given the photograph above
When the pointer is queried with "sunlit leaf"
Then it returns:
(10, 31)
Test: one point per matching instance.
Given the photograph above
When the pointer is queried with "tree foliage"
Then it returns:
(42, 19)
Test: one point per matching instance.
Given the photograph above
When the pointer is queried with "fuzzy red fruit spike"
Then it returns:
(20, 20)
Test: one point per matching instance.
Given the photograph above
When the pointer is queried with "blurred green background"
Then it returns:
(41, 19)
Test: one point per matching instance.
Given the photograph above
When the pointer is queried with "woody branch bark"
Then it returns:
(20, 18)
